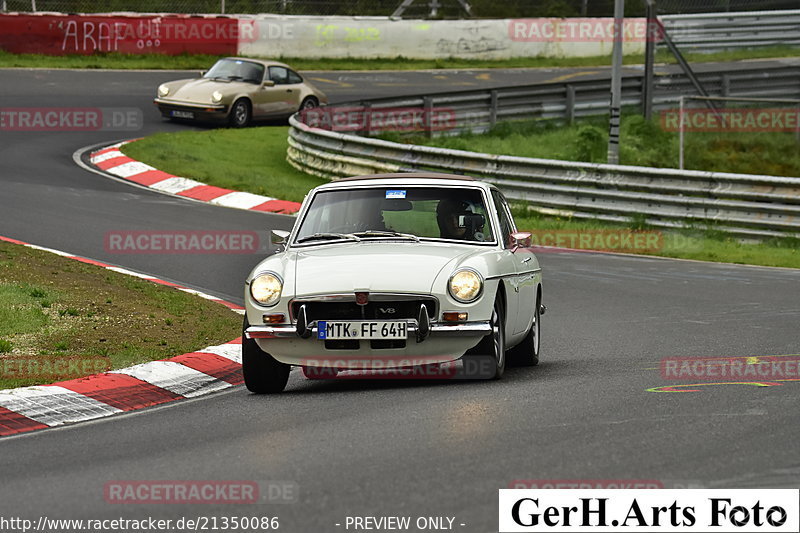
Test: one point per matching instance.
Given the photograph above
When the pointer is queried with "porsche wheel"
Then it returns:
(309, 102)
(488, 359)
(526, 353)
(240, 114)
(262, 373)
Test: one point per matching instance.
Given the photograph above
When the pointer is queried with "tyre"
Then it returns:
(526, 353)
(262, 373)
(488, 359)
(309, 102)
(240, 114)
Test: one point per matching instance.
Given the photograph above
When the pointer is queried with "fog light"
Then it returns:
(455, 317)
(275, 318)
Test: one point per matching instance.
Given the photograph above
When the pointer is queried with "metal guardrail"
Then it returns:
(479, 110)
(742, 204)
(712, 32)
(747, 205)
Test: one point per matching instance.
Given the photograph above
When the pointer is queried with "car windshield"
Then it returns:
(236, 70)
(397, 212)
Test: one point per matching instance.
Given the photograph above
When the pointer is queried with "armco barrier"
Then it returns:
(324, 142)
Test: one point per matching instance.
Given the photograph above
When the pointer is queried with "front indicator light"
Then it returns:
(465, 286)
(266, 288)
(275, 318)
(455, 317)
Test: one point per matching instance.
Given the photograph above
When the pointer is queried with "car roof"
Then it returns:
(265, 62)
(418, 179)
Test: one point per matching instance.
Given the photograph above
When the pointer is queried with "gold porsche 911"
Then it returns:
(238, 90)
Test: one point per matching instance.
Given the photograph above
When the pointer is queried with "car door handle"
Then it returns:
(288, 90)
(526, 259)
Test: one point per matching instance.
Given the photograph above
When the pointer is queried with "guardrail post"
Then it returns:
(569, 109)
(427, 110)
(366, 109)
(725, 85)
(493, 109)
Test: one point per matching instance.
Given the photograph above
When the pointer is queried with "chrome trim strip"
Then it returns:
(176, 103)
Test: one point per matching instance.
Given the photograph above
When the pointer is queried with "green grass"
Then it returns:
(54, 309)
(701, 244)
(643, 144)
(202, 62)
(252, 160)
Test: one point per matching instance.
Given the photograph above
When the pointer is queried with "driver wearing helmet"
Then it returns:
(456, 220)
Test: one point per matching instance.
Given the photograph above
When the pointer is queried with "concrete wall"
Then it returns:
(363, 37)
(313, 37)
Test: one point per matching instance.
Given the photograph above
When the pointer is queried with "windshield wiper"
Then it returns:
(385, 233)
(326, 236)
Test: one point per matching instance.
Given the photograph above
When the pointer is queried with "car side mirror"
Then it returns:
(203, 73)
(268, 83)
(521, 239)
(278, 237)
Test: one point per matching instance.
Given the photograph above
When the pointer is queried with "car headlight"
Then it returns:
(465, 286)
(216, 97)
(163, 90)
(266, 288)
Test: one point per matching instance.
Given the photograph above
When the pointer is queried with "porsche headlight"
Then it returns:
(163, 90)
(216, 97)
(465, 286)
(266, 288)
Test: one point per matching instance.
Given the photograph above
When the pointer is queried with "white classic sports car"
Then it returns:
(394, 271)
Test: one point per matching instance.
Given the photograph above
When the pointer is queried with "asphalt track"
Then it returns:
(411, 448)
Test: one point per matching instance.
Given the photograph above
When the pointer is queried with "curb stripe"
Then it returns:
(11, 423)
(121, 391)
(213, 365)
(175, 377)
(205, 192)
(111, 160)
(193, 374)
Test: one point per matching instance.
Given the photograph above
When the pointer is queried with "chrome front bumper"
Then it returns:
(284, 331)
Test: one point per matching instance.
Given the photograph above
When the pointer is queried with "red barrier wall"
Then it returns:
(57, 34)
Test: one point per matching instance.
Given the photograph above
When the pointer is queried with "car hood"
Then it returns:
(199, 91)
(397, 266)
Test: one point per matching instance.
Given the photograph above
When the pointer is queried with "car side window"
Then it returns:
(294, 77)
(279, 75)
(506, 222)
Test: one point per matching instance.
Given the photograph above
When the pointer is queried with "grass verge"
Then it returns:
(254, 160)
(200, 62)
(60, 319)
(644, 143)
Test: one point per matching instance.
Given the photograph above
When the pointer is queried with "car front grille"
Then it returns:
(374, 310)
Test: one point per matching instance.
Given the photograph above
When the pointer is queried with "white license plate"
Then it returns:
(182, 114)
(368, 330)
